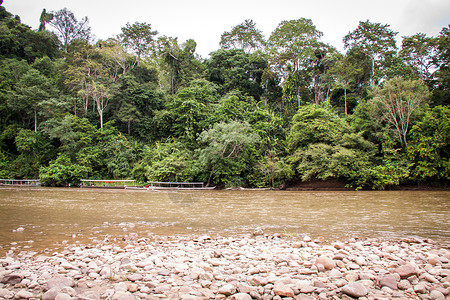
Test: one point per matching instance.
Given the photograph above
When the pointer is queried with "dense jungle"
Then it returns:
(258, 112)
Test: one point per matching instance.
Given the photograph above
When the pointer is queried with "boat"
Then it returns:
(107, 183)
(188, 186)
(20, 182)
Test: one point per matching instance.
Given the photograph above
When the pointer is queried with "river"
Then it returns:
(40, 218)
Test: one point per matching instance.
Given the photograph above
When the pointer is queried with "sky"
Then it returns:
(206, 20)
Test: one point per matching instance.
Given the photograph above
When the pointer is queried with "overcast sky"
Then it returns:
(205, 20)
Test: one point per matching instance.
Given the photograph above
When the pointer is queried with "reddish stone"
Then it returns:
(325, 261)
(389, 280)
(406, 271)
(282, 290)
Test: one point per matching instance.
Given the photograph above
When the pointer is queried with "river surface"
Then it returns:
(40, 218)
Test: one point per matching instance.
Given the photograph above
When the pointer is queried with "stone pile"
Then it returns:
(260, 266)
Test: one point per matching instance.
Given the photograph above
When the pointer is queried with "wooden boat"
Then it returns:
(20, 182)
(188, 186)
(107, 183)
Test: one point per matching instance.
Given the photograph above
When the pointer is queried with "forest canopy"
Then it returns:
(258, 112)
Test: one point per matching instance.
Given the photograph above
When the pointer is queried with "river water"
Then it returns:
(39, 218)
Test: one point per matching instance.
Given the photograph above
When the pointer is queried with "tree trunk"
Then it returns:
(345, 99)
(35, 120)
(372, 81)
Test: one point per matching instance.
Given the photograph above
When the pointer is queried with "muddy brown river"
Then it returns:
(40, 218)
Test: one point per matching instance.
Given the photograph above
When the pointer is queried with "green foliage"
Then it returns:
(168, 161)
(323, 146)
(138, 107)
(191, 108)
(68, 28)
(62, 172)
(429, 147)
(393, 171)
(271, 171)
(18, 41)
(34, 151)
(375, 40)
(244, 36)
(314, 124)
(118, 154)
(236, 70)
(399, 100)
(5, 165)
(225, 151)
(138, 37)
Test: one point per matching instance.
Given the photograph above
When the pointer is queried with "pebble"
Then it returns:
(355, 289)
(256, 266)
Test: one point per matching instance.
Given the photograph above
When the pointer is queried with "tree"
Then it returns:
(324, 146)
(168, 160)
(314, 124)
(441, 92)
(271, 170)
(100, 94)
(291, 45)
(32, 89)
(34, 149)
(345, 72)
(295, 53)
(138, 37)
(419, 52)
(244, 36)
(11, 70)
(115, 51)
(44, 19)
(375, 40)
(17, 40)
(429, 146)
(62, 172)
(68, 28)
(190, 108)
(182, 66)
(235, 70)
(128, 113)
(399, 99)
(225, 146)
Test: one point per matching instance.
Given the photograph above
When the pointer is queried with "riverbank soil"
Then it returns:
(257, 266)
(319, 185)
(336, 185)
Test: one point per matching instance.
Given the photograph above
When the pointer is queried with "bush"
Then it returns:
(62, 172)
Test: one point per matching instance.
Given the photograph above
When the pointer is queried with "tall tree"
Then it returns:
(100, 95)
(292, 47)
(420, 52)
(344, 72)
(234, 69)
(31, 89)
(441, 93)
(399, 99)
(180, 62)
(138, 37)
(44, 19)
(115, 51)
(429, 147)
(225, 146)
(245, 36)
(375, 40)
(68, 28)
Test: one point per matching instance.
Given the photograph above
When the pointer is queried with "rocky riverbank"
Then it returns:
(257, 266)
